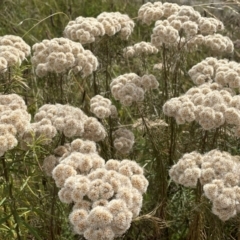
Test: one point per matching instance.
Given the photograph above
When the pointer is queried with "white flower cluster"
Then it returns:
(183, 26)
(210, 105)
(13, 50)
(216, 42)
(85, 30)
(224, 72)
(70, 121)
(43, 128)
(129, 87)
(149, 81)
(168, 33)
(114, 22)
(106, 196)
(218, 173)
(208, 25)
(14, 121)
(60, 55)
(187, 171)
(180, 17)
(151, 12)
(102, 107)
(123, 140)
(163, 32)
(219, 43)
(141, 48)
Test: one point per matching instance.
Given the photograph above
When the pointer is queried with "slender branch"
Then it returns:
(204, 141)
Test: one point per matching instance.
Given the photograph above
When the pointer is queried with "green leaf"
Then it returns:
(3, 200)
(29, 227)
(24, 184)
(32, 230)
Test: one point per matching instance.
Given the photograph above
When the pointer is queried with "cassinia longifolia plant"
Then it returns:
(183, 26)
(106, 195)
(218, 173)
(99, 108)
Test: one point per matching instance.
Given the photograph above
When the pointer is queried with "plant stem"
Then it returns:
(204, 141)
(172, 146)
(165, 75)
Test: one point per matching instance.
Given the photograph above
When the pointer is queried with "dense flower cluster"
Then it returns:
(70, 121)
(187, 170)
(151, 12)
(123, 140)
(149, 81)
(43, 129)
(222, 71)
(129, 88)
(164, 32)
(60, 55)
(14, 121)
(114, 22)
(13, 50)
(183, 26)
(209, 25)
(101, 107)
(106, 196)
(216, 42)
(210, 104)
(141, 48)
(218, 173)
(84, 30)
